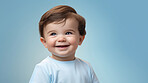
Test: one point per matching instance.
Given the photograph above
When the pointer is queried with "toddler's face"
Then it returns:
(62, 39)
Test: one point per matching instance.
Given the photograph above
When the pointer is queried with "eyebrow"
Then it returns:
(70, 30)
(50, 31)
(55, 31)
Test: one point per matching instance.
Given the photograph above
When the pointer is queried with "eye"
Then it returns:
(68, 33)
(52, 34)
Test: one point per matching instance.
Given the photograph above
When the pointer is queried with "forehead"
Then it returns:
(63, 24)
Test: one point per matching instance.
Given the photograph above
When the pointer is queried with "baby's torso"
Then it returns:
(72, 72)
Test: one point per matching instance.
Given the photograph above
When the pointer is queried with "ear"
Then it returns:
(43, 41)
(81, 39)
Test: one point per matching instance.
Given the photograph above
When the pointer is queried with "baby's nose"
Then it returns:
(61, 39)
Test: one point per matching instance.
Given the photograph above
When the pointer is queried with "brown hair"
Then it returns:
(60, 13)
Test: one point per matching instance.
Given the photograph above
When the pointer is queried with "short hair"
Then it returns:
(60, 13)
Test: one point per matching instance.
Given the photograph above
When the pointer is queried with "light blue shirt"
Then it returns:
(53, 71)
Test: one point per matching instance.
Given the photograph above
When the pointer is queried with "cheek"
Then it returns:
(51, 42)
(73, 40)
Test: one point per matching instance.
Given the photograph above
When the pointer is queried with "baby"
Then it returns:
(62, 30)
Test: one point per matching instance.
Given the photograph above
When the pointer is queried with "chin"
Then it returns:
(63, 55)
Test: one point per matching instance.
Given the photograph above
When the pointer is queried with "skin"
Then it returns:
(62, 39)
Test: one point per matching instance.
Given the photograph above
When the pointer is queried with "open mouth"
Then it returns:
(62, 46)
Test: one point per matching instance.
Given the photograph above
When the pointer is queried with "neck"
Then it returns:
(70, 58)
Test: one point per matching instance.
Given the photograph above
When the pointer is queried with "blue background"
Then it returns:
(116, 43)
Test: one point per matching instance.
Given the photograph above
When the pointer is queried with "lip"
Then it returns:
(62, 46)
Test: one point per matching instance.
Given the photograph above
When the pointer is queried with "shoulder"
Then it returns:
(45, 65)
(83, 63)
(48, 64)
(91, 72)
(41, 72)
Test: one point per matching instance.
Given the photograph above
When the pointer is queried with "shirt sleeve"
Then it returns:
(93, 75)
(39, 75)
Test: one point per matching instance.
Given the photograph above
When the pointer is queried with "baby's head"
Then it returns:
(62, 30)
(60, 14)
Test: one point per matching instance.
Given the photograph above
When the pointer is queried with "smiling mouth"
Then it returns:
(62, 46)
